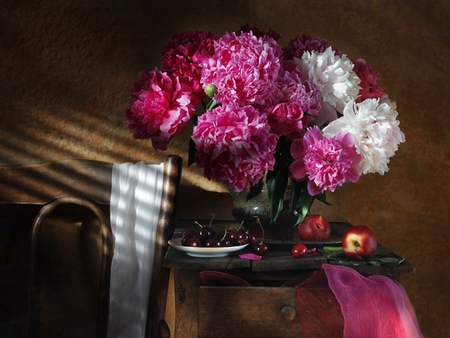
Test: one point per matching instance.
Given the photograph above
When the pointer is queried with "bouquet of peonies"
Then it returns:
(305, 111)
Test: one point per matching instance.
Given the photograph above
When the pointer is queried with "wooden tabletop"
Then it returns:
(279, 256)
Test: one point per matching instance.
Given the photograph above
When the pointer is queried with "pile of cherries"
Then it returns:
(204, 236)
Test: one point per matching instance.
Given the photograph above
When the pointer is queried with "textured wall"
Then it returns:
(67, 66)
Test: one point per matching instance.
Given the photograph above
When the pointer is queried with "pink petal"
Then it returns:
(250, 257)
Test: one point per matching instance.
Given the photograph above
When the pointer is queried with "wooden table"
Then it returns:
(269, 308)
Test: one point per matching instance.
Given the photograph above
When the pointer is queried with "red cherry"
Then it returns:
(225, 242)
(195, 242)
(233, 237)
(188, 232)
(252, 240)
(300, 250)
(260, 249)
(213, 242)
(242, 238)
(204, 232)
(187, 235)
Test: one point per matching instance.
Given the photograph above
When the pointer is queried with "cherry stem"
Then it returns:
(213, 215)
(201, 226)
(240, 226)
(260, 225)
(224, 235)
(210, 222)
(262, 229)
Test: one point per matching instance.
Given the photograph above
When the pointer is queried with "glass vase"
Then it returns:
(254, 204)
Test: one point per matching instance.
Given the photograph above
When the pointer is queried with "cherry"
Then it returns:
(233, 236)
(212, 242)
(300, 250)
(204, 236)
(225, 242)
(195, 242)
(187, 235)
(204, 232)
(242, 238)
(188, 232)
(260, 249)
(252, 240)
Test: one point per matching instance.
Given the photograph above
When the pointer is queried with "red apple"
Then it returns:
(359, 242)
(314, 228)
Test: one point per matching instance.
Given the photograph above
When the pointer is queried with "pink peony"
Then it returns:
(243, 69)
(305, 43)
(326, 162)
(312, 99)
(161, 106)
(370, 89)
(297, 104)
(258, 32)
(184, 55)
(234, 145)
(287, 119)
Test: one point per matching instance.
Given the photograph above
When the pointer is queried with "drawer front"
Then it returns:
(248, 312)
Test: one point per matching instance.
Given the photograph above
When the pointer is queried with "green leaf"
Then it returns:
(332, 248)
(391, 261)
(296, 193)
(304, 203)
(322, 198)
(339, 256)
(233, 193)
(270, 185)
(270, 182)
(276, 182)
(194, 119)
(307, 200)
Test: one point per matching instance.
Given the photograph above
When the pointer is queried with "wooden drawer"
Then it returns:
(248, 312)
(268, 308)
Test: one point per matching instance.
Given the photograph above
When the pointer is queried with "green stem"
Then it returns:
(200, 225)
(332, 248)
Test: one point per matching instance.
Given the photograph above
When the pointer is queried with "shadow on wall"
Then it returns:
(73, 66)
(67, 68)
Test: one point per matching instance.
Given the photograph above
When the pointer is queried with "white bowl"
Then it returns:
(205, 252)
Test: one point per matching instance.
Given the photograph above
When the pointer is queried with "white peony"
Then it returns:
(375, 131)
(335, 78)
(385, 99)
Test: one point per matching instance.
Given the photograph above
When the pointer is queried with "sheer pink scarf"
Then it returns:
(340, 302)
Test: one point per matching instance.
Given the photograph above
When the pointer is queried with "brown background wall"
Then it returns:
(67, 66)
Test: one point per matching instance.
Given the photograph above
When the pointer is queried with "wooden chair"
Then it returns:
(86, 185)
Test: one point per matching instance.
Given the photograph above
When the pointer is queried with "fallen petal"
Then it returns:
(250, 257)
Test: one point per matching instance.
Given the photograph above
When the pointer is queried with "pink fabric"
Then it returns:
(372, 307)
(319, 311)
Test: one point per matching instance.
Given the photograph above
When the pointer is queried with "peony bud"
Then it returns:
(210, 90)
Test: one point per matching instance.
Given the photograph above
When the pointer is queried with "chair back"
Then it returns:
(87, 184)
